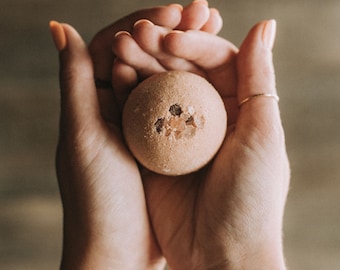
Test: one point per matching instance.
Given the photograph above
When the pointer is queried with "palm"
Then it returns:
(189, 213)
(131, 189)
(194, 214)
(183, 209)
(103, 157)
(179, 207)
(212, 208)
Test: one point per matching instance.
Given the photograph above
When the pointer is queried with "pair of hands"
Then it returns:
(117, 216)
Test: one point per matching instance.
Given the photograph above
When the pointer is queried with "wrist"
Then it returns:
(91, 250)
(269, 257)
(239, 257)
(95, 257)
(250, 262)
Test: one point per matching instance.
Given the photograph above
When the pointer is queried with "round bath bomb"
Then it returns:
(174, 122)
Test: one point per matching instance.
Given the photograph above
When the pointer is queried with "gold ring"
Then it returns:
(276, 97)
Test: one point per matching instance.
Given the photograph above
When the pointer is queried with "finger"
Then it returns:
(124, 79)
(126, 48)
(101, 49)
(204, 49)
(214, 23)
(215, 55)
(150, 38)
(194, 16)
(101, 45)
(256, 76)
(78, 94)
(255, 66)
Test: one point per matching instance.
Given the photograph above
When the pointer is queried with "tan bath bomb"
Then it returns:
(174, 122)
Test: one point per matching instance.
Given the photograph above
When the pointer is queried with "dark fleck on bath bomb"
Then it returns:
(174, 122)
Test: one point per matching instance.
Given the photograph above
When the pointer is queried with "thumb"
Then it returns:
(78, 93)
(256, 77)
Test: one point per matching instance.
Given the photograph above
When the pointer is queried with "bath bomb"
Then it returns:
(174, 122)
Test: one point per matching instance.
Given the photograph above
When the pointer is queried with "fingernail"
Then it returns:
(180, 7)
(215, 10)
(205, 2)
(120, 33)
(176, 32)
(58, 35)
(269, 33)
(142, 21)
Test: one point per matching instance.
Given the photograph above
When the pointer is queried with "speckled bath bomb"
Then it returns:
(174, 122)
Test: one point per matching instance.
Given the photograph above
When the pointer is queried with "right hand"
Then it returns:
(229, 214)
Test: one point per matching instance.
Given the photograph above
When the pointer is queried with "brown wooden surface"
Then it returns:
(307, 61)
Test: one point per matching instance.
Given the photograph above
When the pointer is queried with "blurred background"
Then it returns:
(307, 60)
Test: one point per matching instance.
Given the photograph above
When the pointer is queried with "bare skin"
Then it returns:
(195, 16)
(226, 216)
(106, 224)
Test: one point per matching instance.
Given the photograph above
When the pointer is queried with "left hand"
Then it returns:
(106, 224)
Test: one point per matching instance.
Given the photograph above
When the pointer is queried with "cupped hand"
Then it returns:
(195, 16)
(105, 217)
(106, 223)
(229, 214)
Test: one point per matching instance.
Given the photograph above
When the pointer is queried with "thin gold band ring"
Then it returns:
(276, 97)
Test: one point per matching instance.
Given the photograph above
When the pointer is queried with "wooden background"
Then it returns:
(307, 61)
